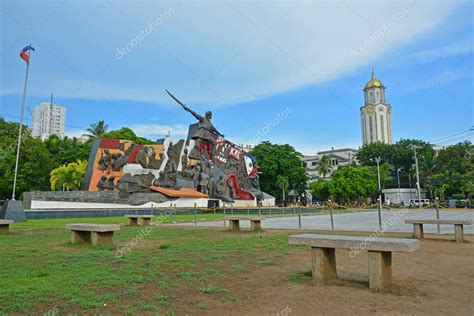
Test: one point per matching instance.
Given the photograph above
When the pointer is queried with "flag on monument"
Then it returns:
(25, 55)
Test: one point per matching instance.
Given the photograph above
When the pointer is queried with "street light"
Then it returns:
(377, 160)
(417, 177)
(398, 179)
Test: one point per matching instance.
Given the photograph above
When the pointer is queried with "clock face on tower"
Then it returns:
(369, 109)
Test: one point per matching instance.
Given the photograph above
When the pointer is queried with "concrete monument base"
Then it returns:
(13, 210)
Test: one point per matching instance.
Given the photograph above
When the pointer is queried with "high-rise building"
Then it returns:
(376, 114)
(48, 119)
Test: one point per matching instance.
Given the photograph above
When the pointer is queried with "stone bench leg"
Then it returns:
(133, 221)
(234, 225)
(79, 237)
(102, 238)
(459, 233)
(418, 231)
(146, 221)
(4, 228)
(324, 264)
(380, 269)
(255, 225)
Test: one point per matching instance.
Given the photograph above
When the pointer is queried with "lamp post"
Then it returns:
(398, 179)
(377, 160)
(417, 178)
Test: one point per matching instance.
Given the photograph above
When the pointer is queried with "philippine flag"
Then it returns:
(25, 55)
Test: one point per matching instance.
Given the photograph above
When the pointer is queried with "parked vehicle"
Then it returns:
(416, 202)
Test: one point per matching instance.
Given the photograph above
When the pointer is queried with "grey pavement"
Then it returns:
(393, 221)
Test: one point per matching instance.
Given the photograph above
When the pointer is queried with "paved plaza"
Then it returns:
(394, 221)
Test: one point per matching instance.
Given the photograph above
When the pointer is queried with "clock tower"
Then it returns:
(376, 114)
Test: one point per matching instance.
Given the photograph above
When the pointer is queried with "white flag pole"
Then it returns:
(21, 125)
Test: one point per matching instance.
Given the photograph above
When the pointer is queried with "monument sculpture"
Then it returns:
(204, 166)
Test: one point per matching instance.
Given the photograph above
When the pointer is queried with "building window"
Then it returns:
(371, 129)
(382, 128)
(371, 95)
(377, 95)
(314, 163)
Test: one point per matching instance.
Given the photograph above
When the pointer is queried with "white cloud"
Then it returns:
(454, 49)
(212, 52)
(159, 131)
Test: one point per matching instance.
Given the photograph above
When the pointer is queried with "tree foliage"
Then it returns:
(68, 177)
(279, 160)
(66, 150)
(282, 183)
(324, 166)
(127, 134)
(34, 163)
(96, 130)
(445, 174)
(348, 183)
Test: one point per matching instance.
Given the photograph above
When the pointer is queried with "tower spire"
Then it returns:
(373, 73)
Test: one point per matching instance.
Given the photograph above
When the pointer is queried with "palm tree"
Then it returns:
(96, 130)
(324, 166)
(69, 177)
(282, 183)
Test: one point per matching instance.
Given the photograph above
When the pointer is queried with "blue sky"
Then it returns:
(248, 62)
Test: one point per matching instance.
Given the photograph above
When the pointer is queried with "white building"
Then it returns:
(48, 119)
(338, 157)
(376, 114)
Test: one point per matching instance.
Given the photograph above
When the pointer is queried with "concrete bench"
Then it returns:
(97, 234)
(234, 225)
(5, 225)
(458, 226)
(133, 219)
(323, 254)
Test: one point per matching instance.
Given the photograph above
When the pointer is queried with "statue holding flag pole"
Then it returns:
(14, 209)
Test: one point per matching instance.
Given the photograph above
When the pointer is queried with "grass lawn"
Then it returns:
(42, 272)
(197, 271)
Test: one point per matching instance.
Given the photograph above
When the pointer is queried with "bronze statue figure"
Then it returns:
(204, 133)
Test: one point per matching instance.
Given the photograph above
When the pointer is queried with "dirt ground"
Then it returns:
(436, 279)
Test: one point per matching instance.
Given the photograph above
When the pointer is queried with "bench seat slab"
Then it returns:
(323, 264)
(244, 218)
(439, 221)
(380, 269)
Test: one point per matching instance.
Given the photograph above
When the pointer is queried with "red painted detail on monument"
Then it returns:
(133, 155)
(240, 194)
(109, 143)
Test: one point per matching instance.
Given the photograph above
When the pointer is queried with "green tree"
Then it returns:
(68, 177)
(428, 168)
(324, 166)
(282, 183)
(455, 171)
(321, 190)
(349, 183)
(369, 152)
(126, 133)
(34, 163)
(403, 153)
(283, 160)
(96, 130)
(66, 150)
